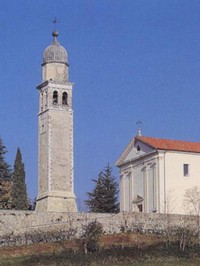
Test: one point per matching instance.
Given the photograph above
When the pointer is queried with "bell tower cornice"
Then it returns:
(51, 82)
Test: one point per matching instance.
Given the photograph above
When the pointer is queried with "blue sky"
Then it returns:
(129, 60)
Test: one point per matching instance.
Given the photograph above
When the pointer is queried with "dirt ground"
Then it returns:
(115, 240)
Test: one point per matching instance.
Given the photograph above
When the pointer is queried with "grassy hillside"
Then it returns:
(118, 249)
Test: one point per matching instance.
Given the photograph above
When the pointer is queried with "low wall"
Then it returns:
(26, 227)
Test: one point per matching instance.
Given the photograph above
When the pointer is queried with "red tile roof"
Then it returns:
(173, 145)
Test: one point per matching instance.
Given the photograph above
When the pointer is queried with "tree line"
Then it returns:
(13, 192)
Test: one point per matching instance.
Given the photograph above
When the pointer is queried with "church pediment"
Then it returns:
(135, 149)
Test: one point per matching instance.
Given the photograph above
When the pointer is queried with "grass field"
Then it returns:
(123, 249)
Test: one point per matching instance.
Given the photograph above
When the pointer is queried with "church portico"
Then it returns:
(138, 186)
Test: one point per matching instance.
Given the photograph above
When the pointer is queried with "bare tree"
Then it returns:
(91, 236)
(184, 232)
(192, 204)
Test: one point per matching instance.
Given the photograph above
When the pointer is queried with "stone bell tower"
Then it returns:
(55, 133)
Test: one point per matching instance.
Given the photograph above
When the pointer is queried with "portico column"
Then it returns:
(122, 200)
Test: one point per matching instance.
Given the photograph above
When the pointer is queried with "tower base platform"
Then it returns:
(56, 202)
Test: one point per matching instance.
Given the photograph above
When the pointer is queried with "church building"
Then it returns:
(55, 133)
(155, 173)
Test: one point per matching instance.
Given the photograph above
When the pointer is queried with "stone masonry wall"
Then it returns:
(26, 227)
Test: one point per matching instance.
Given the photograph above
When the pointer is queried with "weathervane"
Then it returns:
(139, 123)
(55, 22)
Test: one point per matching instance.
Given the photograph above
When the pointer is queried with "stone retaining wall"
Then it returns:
(26, 227)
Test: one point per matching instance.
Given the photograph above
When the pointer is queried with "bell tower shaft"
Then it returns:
(55, 133)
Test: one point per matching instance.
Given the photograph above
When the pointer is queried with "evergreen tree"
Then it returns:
(5, 179)
(19, 194)
(104, 197)
(5, 171)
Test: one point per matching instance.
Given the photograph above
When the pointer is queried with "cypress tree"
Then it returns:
(104, 197)
(5, 171)
(5, 179)
(19, 193)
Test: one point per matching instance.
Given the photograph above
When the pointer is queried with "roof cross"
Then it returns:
(139, 123)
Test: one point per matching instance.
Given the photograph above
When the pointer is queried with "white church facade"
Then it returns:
(55, 133)
(155, 173)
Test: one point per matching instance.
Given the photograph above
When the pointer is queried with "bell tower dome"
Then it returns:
(55, 133)
(55, 62)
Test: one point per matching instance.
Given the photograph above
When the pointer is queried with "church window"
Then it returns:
(55, 97)
(64, 98)
(138, 148)
(186, 169)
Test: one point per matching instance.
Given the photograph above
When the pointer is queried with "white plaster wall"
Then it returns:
(176, 182)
